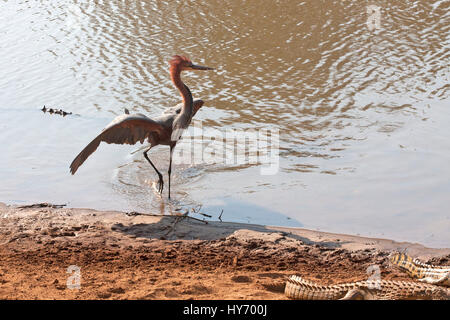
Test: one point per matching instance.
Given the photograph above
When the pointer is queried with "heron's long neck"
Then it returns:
(188, 103)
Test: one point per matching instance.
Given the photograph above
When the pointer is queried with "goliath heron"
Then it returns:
(164, 130)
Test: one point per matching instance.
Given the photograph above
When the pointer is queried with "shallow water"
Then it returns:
(362, 114)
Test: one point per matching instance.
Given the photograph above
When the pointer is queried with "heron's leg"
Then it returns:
(170, 165)
(161, 181)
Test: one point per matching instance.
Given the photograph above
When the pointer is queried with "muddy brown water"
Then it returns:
(361, 107)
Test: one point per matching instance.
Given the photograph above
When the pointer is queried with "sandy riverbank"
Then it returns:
(124, 256)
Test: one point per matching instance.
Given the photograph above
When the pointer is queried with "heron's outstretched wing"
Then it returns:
(181, 122)
(177, 109)
(124, 129)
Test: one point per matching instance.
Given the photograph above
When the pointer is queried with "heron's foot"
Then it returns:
(160, 184)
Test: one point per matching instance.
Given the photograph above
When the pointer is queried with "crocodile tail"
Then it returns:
(429, 266)
(406, 263)
(401, 258)
(417, 269)
(299, 288)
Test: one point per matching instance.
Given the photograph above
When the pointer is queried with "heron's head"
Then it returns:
(183, 63)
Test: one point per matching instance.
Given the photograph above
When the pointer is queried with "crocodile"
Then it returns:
(302, 289)
(428, 273)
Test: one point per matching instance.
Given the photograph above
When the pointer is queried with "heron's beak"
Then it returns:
(196, 67)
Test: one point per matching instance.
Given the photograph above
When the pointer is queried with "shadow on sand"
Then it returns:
(188, 228)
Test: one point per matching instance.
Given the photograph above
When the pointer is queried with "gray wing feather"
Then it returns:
(173, 110)
(124, 129)
(177, 109)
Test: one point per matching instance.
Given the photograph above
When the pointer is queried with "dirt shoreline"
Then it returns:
(122, 256)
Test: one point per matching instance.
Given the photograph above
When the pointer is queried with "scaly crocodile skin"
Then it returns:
(423, 272)
(299, 288)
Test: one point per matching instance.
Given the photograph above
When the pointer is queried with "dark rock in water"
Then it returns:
(43, 205)
(55, 111)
